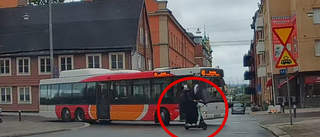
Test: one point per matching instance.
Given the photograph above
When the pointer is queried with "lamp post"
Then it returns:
(198, 30)
(50, 39)
(229, 81)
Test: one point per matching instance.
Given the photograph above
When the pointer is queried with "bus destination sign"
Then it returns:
(210, 73)
(161, 74)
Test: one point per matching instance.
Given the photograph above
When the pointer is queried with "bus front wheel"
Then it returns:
(165, 117)
(66, 115)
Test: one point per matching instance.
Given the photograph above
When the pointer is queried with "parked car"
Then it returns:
(0, 110)
(238, 108)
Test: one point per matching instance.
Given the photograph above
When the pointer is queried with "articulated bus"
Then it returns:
(107, 95)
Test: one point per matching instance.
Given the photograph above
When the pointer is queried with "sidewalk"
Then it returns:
(31, 125)
(306, 123)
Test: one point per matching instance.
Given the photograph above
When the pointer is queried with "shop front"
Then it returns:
(312, 91)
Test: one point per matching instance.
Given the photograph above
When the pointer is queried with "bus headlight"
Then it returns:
(204, 112)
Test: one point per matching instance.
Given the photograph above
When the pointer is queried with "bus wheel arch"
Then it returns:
(66, 115)
(79, 115)
(165, 116)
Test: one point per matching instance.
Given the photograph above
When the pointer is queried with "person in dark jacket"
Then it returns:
(188, 106)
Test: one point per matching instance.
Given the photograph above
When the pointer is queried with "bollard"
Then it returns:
(294, 111)
(19, 115)
(282, 107)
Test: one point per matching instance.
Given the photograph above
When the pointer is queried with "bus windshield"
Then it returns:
(210, 93)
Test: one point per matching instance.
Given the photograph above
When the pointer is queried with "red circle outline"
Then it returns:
(193, 78)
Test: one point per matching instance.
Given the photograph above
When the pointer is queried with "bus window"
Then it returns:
(210, 93)
(43, 95)
(158, 85)
(90, 95)
(53, 95)
(141, 91)
(65, 92)
(78, 90)
(120, 92)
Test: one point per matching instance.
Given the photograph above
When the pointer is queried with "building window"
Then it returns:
(316, 16)
(141, 35)
(66, 63)
(23, 65)
(6, 95)
(93, 60)
(44, 65)
(24, 94)
(116, 60)
(5, 66)
(317, 48)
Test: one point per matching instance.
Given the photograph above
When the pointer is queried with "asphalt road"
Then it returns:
(236, 126)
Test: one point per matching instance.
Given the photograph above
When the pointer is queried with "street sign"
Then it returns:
(286, 60)
(283, 34)
(283, 71)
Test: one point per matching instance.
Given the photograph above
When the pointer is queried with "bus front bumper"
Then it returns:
(212, 116)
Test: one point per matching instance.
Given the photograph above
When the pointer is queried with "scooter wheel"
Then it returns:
(204, 126)
(186, 127)
(0, 120)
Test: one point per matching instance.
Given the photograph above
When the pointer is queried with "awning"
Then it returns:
(269, 83)
(312, 79)
(283, 83)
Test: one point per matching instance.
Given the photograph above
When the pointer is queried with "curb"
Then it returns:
(45, 131)
(275, 131)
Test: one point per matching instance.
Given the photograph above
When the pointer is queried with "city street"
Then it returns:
(237, 126)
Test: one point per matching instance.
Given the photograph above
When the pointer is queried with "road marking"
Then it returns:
(240, 132)
(307, 134)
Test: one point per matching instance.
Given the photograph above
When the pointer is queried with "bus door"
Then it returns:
(103, 102)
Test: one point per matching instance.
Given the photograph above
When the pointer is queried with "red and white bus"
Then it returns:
(106, 95)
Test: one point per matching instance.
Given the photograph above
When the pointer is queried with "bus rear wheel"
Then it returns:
(79, 115)
(66, 115)
(165, 117)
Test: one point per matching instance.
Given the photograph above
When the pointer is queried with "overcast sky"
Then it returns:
(225, 20)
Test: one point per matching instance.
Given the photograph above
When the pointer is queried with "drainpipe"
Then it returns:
(270, 50)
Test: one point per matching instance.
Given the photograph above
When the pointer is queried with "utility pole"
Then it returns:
(271, 51)
(51, 39)
(289, 96)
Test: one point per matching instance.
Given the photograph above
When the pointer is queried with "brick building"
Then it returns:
(111, 34)
(203, 51)
(304, 46)
(172, 47)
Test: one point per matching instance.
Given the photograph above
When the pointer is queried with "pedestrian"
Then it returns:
(188, 106)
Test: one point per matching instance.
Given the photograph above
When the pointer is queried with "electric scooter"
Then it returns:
(200, 123)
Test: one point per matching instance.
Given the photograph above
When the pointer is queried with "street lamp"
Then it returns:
(310, 13)
(50, 39)
(198, 30)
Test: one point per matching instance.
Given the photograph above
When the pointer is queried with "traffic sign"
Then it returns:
(283, 34)
(286, 60)
(283, 71)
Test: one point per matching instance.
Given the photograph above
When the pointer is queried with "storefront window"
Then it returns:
(312, 86)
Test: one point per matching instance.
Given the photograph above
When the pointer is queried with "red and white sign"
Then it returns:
(277, 46)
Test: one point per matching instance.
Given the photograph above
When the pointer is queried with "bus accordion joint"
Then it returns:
(209, 73)
(161, 74)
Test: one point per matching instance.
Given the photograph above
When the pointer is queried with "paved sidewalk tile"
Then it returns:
(30, 125)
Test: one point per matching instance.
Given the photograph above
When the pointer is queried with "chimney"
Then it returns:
(163, 5)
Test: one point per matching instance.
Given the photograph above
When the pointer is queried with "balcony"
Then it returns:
(259, 23)
(247, 60)
(260, 47)
(249, 75)
(249, 90)
(262, 71)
